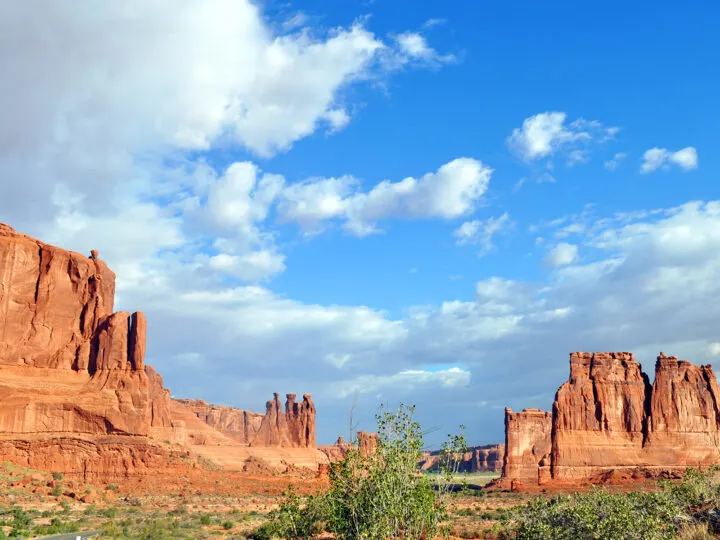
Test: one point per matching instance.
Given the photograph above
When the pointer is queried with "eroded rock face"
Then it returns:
(367, 443)
(294, 426)
(76, 396)
(487, 458)
(237, 424)
(290, 427)
(684, 422)
(527, 444)
(69, 365)
(608, 418)
(599, 414)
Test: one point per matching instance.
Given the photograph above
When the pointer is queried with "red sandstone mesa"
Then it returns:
(75, 394)
(608, 418)
(488, 458)
(293, 427)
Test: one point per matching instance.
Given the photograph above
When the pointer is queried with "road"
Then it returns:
(72, 536)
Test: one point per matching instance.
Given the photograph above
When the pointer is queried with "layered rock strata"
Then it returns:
(608, 417)
(76, 396)
(488, 458)
(291, 427)
(72, 372)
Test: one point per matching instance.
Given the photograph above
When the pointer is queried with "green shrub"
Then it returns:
(57, 476)
(227, 525)
(377, 496)
(205, 519)
(596, 515)
(109, 512)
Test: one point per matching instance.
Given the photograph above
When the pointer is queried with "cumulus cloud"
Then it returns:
(660, 158)
(415, 47)
(478, 232)
(615, 161)
(406, 381)
(562, 254)
(191, 76)
(543, 134)
(454, 190)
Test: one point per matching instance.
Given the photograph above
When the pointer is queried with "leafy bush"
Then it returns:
(690, 509)
(375, 496)
(598, 515)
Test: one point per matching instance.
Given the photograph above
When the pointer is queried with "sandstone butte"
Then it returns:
(488, 458)
(609, 423)
(76, 396)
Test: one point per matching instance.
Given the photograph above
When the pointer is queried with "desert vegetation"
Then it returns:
(379, 494)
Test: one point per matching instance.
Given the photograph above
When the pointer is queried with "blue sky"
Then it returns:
(427, 202)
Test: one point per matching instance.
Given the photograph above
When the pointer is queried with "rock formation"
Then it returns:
(237, 424)
(488, 458)
(291, 427)
(366, 444)
(608, 417)
(76, 396)
(72, 371)
(527, 443)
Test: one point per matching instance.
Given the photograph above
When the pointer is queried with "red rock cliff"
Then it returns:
(57, 326)
(237, 424)
(74, 392)
(291, 427)
(607, 417)
(488, 458)
(527, 444)
(599, 415)
(294, 426)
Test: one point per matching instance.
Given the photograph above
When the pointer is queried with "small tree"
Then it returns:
(377, 495)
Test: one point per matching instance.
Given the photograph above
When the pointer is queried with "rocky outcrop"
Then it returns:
(237, 424)
(163, 426)
(599, 415)
(367, 443)
(683, 424)
(292, 427)
(488, 458)
(527, 444)
(69, 365)
(608, 417)
(337, 451)
(76, 395)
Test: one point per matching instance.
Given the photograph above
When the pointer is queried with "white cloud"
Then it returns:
(430, 23)
(545, 134)
(403, 382)
(253, 266)
(562, 254)
(415, 46)
(192, 76)
(481, 233)
(298, 20)
(613, 163)
(454, 190)
(687, 158)
(577, 156)
(660, 158)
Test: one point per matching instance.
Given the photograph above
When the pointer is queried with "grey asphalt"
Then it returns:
(72, 536)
